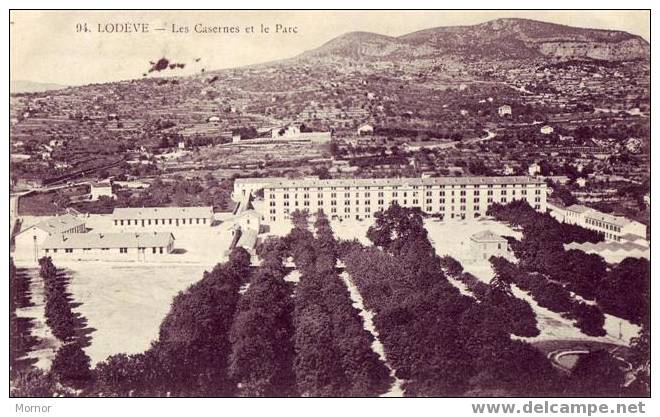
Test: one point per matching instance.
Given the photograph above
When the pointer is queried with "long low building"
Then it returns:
(614, 228)
(161, 217)
(108, 246)
(445, 197)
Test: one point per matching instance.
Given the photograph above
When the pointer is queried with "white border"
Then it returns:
(288, 407)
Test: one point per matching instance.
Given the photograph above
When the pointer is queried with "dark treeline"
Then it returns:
(333, 350)
(190, 357)
(518, 315)
(70, 365)
(439, 341)
(261, 358)
(21, 340)
(622, 290)
(551, 295)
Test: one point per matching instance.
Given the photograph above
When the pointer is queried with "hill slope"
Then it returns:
(497, 39)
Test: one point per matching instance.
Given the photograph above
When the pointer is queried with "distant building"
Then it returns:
(614, 228)
(446, 197)
(161, 218)
(181, 145)
(504, 110)
(294, 132)
(546, 130)
(97, 190)
(109, 246)
(365, 129)
(581, 182)
(213, 119)
(485, 244)
(534, 169)
(29, 242)
(235, 138)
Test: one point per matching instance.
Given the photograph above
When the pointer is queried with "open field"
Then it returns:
(126, 304)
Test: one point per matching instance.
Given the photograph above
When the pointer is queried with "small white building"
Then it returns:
(365, 129)
(213, 119)
(504, 110)
(102, 189)
(108, 246)
(546, 130)
(534, 169)
(485, 244)
(29, 242)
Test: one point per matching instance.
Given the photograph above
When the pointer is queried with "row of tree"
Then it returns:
(439, 341)
(518, 315)
(333, 350)
(70, 366)
(622, 290)
(551, 295)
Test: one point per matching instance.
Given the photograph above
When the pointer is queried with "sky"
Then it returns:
(46, 47)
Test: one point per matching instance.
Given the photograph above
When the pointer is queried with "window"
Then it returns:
(153, 250)
(184, 221)
(123, 250)
(68, 250)
(161, 249)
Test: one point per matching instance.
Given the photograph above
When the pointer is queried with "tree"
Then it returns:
(71, 365)
(625, 292)
(597, 373)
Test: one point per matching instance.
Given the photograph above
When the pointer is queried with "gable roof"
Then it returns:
(58, 224)
(487, 236)
(162, 212)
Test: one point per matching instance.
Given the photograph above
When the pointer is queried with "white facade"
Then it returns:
(109, 246)
(29, 242)
(100, 190)
(446, 197)
(365, 129)
(614, 228)
(485, 244)
(504, 110)
(161, 218)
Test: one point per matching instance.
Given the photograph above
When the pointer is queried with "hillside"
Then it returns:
(498, 39)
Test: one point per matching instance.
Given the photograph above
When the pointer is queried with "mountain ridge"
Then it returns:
(505, 38)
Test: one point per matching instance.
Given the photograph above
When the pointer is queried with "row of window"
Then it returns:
(156, 249)
(415, 202)
(603, 225)
(414, 187)
(287, 196)
(155, 222)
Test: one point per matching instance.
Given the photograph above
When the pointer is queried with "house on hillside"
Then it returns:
(365, 129)
(504, 110)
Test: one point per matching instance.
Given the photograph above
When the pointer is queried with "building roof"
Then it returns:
(487, 236)
(388, 182)
(162, 212)
(248, 239)
(576, 208)
(108, 240)
(59, 224)
(608, 218)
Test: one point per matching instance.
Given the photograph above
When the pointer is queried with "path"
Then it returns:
(396, 390)
(47, 344)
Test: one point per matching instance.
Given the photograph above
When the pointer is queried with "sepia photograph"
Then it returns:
(330, 203)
